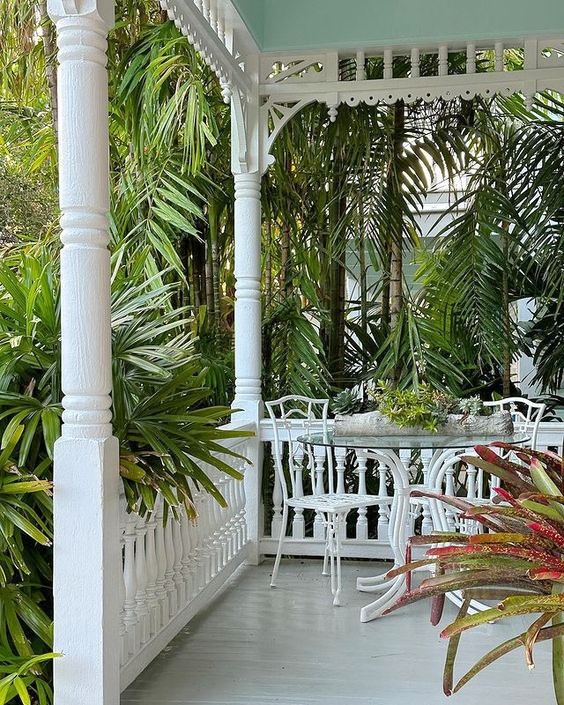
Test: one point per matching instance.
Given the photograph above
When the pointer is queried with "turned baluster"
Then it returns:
(361, 522)
(169, 571)
(360, 66)
(277, 498)
(449, 491)
(178, 577)
(383, 509)
(427, 523)
(185, 531)
(388, 63)
(152, 574)
(499, 62)
(298, 522)
(415, 58)
(443, 60)
(161, 591)
(319, 456)
(122, 626)
(471, 58)
(141, 577)
(130, 617)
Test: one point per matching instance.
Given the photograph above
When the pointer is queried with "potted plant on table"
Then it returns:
(394, 411)
(518, 561)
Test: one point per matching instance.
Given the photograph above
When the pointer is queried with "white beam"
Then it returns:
(86, 480)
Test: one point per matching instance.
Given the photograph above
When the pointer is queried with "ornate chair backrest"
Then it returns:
(293, 416)
(526, 415)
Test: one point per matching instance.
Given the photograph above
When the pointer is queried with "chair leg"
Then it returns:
(330, 548)
(326, 555)
(283, 528)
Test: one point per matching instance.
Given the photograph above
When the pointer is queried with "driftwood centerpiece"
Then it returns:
(373, 423)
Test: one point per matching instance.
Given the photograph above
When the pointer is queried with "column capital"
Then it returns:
(97, 10)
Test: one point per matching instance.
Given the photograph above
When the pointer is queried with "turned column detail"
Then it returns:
(87, 556)
(247, 293)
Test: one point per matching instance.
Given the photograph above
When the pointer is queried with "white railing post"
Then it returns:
(86, 479)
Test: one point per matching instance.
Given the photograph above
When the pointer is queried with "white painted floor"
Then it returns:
(259, 646)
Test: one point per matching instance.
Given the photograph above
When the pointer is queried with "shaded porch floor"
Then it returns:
(259, 646)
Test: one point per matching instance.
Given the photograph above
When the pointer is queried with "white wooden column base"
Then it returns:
(86, 515)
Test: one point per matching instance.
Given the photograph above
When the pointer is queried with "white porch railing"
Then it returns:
(359, 543)
(172, 571)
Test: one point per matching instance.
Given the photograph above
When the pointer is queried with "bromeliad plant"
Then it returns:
(518, 561)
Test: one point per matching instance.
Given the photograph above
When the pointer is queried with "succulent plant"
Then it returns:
(471, 406)
(346, 402)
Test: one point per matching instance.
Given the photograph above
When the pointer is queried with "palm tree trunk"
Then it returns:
(362, 274)
(284, 261)
(268, 263)
(49, 49)
(396, 240)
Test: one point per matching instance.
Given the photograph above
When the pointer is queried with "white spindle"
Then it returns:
(383, 509)
(415, 58)
(443, 60)
(169, 572)
(161, 564)
(178, 578)
(388, 63)
(360, 66)
(427, 523)
(298, 524)
(319, 456)
(221, 27)
(130, 580)
(212, 14)
(470, 58)
(141, 577)
(186, 531)
(340, 463)
(228, 524)
(499, 62)
(361, 522)
(449, 491)
(124, 649)
(276, 525)
(152, 574)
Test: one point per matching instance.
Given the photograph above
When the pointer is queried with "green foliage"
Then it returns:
(422, 407)
(28, 206)
(293, 352)
(520, 560)
(166, 431)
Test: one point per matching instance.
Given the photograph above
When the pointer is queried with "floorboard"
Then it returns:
(289, 646)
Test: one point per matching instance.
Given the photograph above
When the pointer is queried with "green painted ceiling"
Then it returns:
(280, 25)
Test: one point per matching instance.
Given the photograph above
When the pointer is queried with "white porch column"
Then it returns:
(247, 294)
(87, 558)
(247, 171)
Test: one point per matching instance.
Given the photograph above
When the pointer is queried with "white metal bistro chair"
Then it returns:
(294, 416)
(526, 415)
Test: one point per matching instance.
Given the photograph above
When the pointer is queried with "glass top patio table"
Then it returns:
(442, 447)
(425, 441)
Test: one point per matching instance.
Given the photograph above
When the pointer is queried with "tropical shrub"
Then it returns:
(518, 560)
(166, 433)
